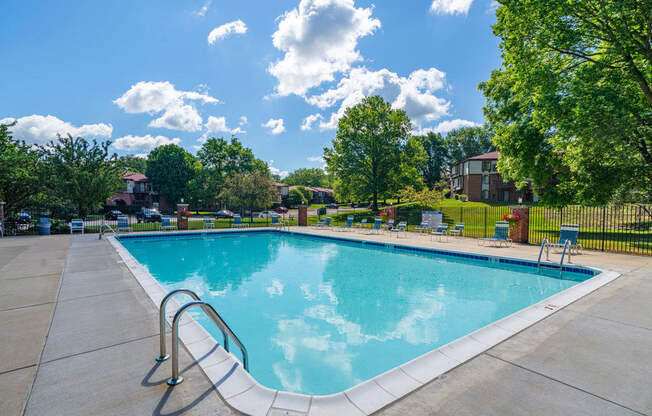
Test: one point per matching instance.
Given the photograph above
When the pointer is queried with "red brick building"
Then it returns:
(137, 191)
(478, 179)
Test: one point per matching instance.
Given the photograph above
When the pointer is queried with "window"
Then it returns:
(485, 194)
(486, 165)
(485, 179)
(454, 170)
(506, 196)
(493, 166)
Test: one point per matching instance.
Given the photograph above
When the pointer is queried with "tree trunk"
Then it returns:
(374, 205)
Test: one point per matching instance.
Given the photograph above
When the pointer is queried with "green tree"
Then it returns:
(307, 177)
(467, 142)
(79, 173)
(19, 179)
(250, 191)
(434, 145)
(170, 170)
(571, 105)
(366, 152)
(296, 197)
(134, 163)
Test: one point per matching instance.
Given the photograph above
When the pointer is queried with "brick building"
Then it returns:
(478, 179)
(137, 191)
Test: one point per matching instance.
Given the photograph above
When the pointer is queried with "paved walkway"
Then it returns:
(593, 357)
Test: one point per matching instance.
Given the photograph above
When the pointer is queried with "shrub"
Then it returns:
(463, 198)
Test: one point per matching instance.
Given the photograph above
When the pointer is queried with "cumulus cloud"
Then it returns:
(308, 121)
(316, 159)
(446, 126)
(275, 126)
(162, 97)
(243, 121)
(415, 94)
(319, 39)
(218, 125)
(276, 171)
(450, 6)
(37, 129)
(237, 27)
(145, 143)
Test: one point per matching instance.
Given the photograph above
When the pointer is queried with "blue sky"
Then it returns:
(276, 74)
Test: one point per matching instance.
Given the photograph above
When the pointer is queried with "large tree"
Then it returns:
(170, 170)
(571, 105)
(79, 174)
(19, 179)
(307, 177)
(434, 145)
(134, 163)
(366, 152)
(466, 142)
(249, 191)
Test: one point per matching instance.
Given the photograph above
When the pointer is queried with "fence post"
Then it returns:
(461, 214)
(485, 222)
(604, 213)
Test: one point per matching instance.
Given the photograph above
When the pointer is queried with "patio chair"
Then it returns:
(77, 225)
(362, 224)
(423, 227)
(401, 228)
(389, 225)
(458, 231)
(123, 224)
(375, 229)
(347, 225)
(208, 223)
(324, 224)
(276, 222)
(166, 224)
(441, 232)
(569, 232)
(2, 231)
(237, 222)
(501, 236)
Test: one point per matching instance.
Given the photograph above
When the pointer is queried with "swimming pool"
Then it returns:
(320, 315)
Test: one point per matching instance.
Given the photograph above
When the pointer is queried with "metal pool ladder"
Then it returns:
(545, 243)
(208, 310)
(103, 226)
(567, 245)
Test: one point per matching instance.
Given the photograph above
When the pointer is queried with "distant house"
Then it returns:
(137, 191)
(319, 195)
(478, 179)
(283, 189)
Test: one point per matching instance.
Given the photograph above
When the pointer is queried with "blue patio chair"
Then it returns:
(123, 224)
(208, 223)
(237, 222)
(2, 231)
(401, 228)
(361, 224)
(423, 227)
(325, 223)
(77, 225)
(458, 230)
(571, 233)
(347, 226)
(389, 225)
(375, 229)
(441, 232)
(166, 224)
(276, 222)
(501, 236)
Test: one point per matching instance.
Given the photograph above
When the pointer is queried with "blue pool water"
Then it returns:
(318, 316)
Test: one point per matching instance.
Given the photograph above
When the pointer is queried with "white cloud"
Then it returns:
(204, 8)
(275, 126)
(162, 97)
(414, 94)
(243, 121)
(145, 143)
(218, 124)
(275, 289)
(277, 171)
(315, 159)
(319, 39)
(236, 27)
(450, 6)
(307, 122)
(446, 126)
(37, 129)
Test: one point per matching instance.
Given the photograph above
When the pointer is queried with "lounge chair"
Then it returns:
(166, 224)
(423, 227)
(77, 225)
(324, 224)
(123, 224)
(278, 223)
(2, 231)
(208, 223)
(375, 229)
(347, 225)
(362, 224)
(569, 232)
(458, 231)
(441, 232)
(401, 228)
(501, 236)
(389, 225)
(237, 222)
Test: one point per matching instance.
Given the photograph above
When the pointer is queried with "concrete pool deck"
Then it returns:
(83, 335)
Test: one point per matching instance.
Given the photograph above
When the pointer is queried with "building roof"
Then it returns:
(486, 156)
(278, 184)
(136, 177)
(314, 189)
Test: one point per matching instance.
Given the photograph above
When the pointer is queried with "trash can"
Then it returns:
(44, 226)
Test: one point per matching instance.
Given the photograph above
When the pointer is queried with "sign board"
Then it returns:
(433, 218)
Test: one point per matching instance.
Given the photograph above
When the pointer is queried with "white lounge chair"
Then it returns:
(77, 225)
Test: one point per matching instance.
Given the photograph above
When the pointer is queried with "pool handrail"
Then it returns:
(217, 320)
(103, 226)
(567, 244)
(545, 243)
(161, 317)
